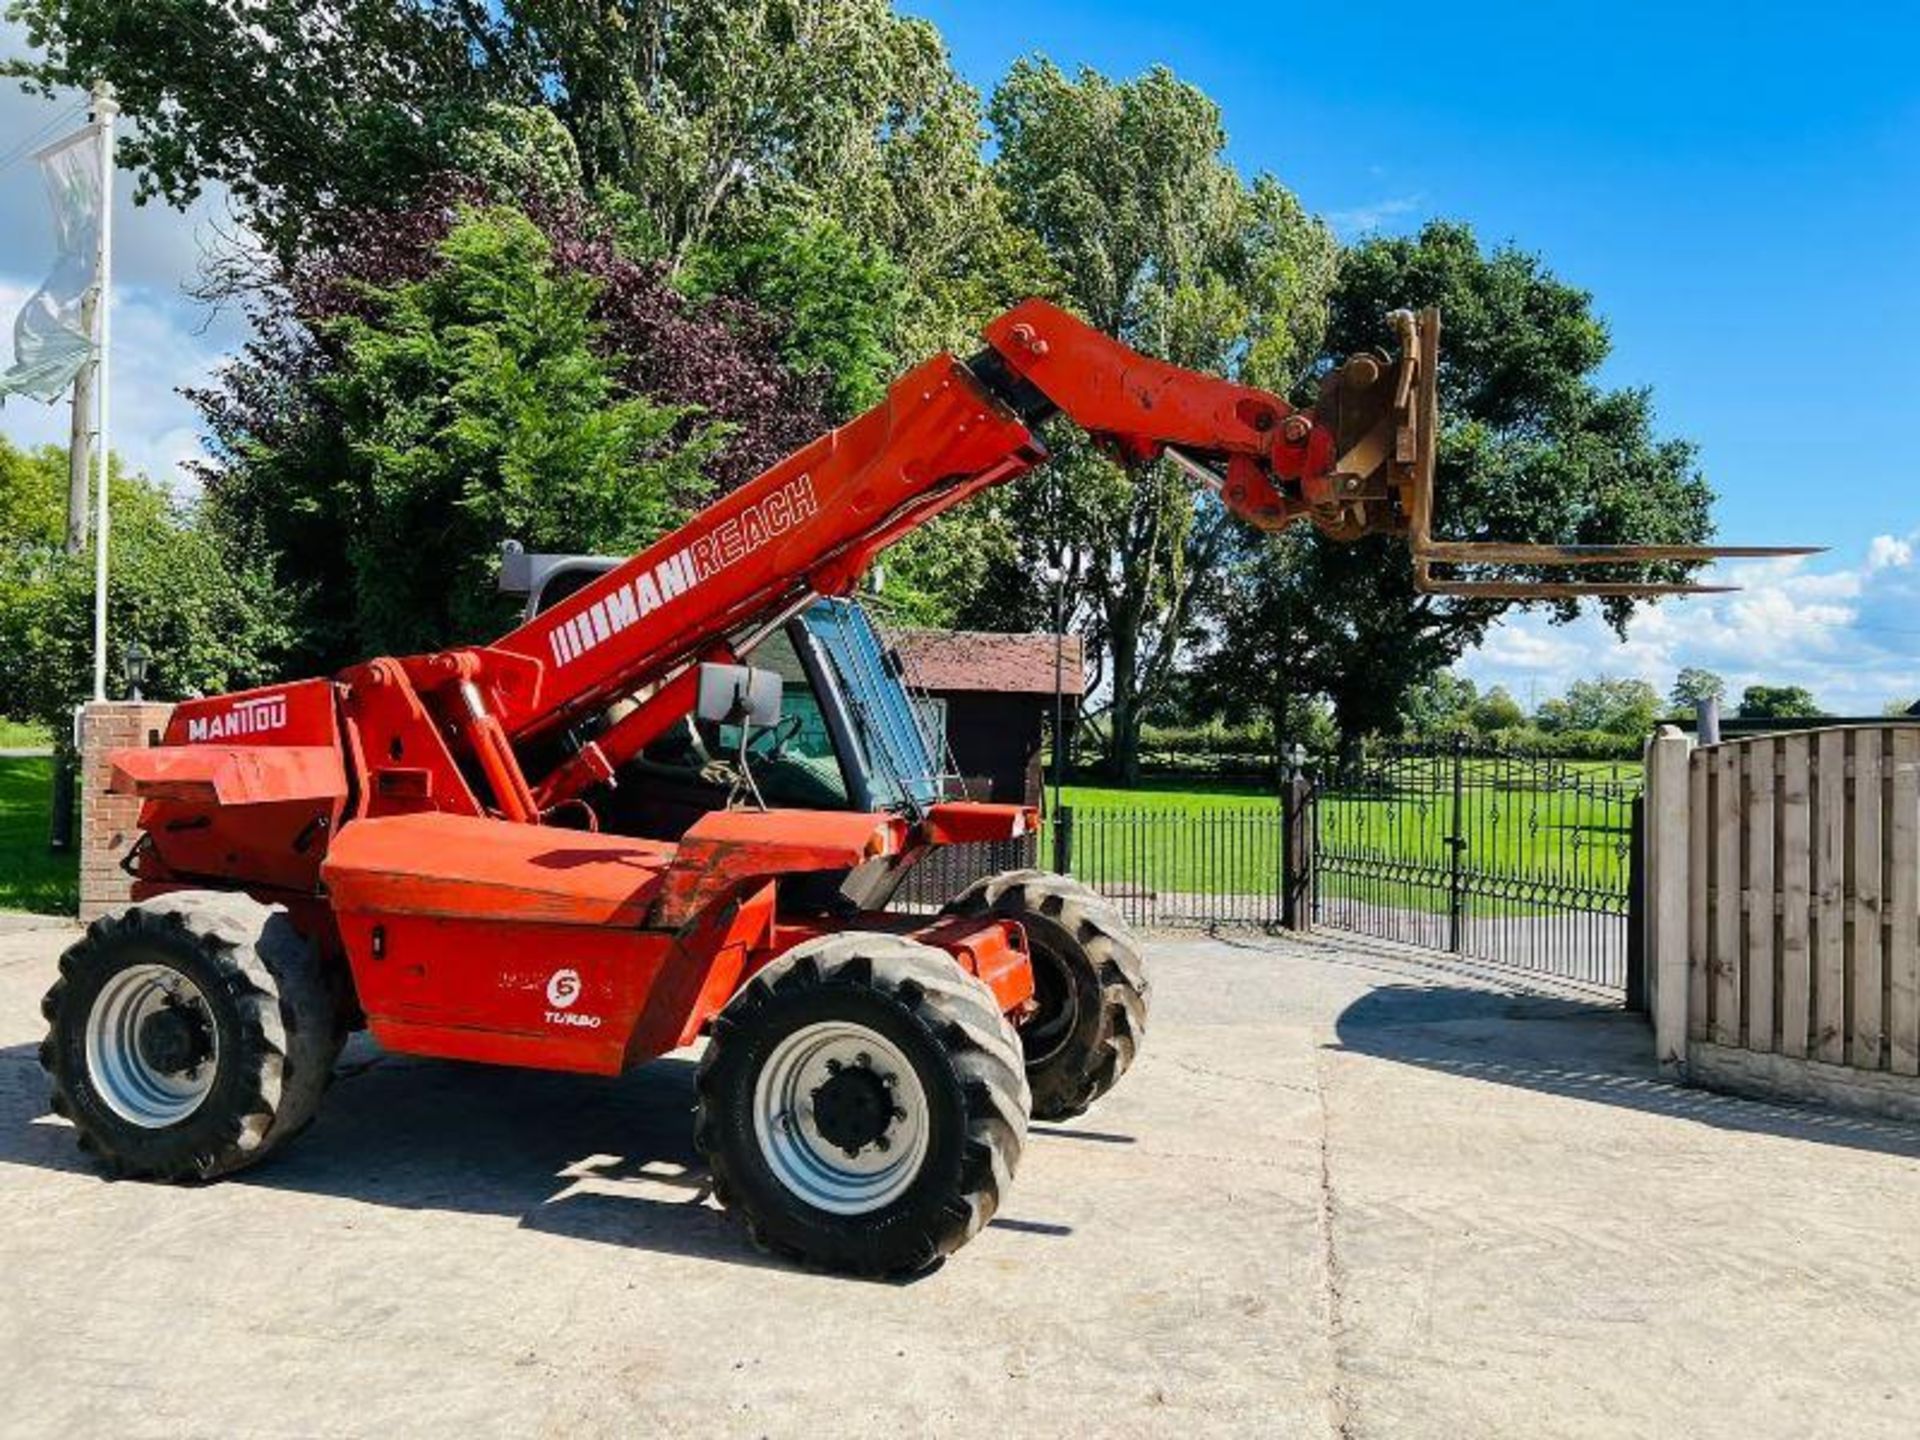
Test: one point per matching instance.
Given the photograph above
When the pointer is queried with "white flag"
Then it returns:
(50, 337)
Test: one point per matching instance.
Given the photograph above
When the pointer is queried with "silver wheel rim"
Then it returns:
(133, 1088)
(806, 1162)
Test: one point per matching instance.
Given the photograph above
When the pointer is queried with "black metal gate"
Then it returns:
(1506, 858)
(1514, 859)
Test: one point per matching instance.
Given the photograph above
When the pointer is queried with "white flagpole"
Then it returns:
(104, 109)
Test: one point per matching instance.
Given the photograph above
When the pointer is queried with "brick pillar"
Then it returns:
(108, 822)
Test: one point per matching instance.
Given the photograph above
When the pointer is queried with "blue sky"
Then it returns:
(1739, 185)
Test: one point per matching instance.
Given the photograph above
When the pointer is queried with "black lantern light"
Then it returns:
(134, 659)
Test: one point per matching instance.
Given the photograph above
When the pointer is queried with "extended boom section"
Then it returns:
(1360, 462)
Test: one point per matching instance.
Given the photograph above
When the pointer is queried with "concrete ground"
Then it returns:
(1345, 1192)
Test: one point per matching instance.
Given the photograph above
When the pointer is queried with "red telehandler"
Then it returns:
(678, 803)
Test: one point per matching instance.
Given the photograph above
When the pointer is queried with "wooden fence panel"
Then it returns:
(1793, 908)
(1725, 899)
(1699, 910)
(1757, 896)
(1903, 906)
(1830, 898)
(1796, 894)
(1866, 974)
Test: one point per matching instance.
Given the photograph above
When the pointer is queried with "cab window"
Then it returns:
(794, 762)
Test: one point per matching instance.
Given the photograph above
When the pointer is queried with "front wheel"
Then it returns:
(1089, 982)
(189, 1035)
(861, 1104)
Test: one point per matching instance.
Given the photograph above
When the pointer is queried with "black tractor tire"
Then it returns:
(967, 1089)
(259, 1011)
(1089, 978)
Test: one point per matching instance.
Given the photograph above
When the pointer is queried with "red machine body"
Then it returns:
(433, 820)
(604, 835)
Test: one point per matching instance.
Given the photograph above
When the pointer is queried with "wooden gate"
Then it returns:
(1783, 901)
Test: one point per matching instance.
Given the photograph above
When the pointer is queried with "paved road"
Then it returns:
(1345, 1193)
(17, 922)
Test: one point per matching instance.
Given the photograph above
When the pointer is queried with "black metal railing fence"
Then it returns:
(1507, 858)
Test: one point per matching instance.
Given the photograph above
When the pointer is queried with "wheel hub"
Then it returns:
(853, 1109)
(171, 1039)
(841, 1117)
(152, 1049)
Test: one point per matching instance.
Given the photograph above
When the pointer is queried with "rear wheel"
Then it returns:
(189, 1035)
(1089, 981)
(862, 1104)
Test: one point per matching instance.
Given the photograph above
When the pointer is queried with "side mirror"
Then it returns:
(739, 695)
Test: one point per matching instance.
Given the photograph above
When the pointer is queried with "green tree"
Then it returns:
(301, 110)
(1692, 686)
(1778, 702)
(947, 573)
(703, 123)
(1531, 448)
(450, 412)
(1497, 710)
(841, 302)
(711, 124)
(209, 621)
(1616, 706)
(33, 498)
(1442, 704)
(705, 109)
(1160, 242)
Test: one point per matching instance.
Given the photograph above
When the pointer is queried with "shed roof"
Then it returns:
(982, 661)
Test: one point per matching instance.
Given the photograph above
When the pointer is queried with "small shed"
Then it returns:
(992, 699)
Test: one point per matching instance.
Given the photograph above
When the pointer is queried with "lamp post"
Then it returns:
(134, 661)
(1296, 840)
(1057, 579)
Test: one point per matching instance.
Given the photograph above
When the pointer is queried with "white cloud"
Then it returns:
(1888, 550)
(159, 347)
(154, 245)
(1370, 216)
(163, 339)
(1849, 634)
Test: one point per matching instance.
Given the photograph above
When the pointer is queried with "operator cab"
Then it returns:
(850, 736)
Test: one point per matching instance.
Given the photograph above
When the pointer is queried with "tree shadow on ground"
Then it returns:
(608, 1160)
(1580, 1049)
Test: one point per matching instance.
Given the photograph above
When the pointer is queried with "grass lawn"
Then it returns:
(16, 735)
(1572, 832)
(1186, 797)
(1187, 837)
(1530, 833)
(31, 876)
